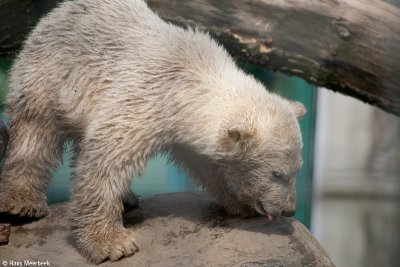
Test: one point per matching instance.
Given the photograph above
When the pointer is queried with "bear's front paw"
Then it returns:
(23, 203)
(113, 245)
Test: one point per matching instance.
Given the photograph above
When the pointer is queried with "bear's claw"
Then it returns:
(23, 204)
(115, 245)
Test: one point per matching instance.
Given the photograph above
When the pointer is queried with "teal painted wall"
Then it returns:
(162, 177)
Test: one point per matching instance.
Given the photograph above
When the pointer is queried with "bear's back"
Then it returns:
(72, 47)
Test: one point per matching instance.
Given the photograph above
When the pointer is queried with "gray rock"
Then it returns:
(179, 229)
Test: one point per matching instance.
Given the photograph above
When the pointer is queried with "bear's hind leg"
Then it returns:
(34, 148)
(101, 179)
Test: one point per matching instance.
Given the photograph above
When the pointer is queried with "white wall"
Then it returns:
(356, 175)
(357, 146)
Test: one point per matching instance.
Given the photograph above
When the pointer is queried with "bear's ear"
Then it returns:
(298, 108)
(238, 132)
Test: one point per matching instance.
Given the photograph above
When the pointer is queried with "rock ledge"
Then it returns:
(178, 229)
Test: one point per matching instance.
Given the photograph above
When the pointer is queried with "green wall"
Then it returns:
(162, 177)
(4, 67)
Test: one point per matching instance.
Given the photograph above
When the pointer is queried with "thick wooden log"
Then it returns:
(345, 45)
(17, 18)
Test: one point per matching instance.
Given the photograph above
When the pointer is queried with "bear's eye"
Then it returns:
(277, 175)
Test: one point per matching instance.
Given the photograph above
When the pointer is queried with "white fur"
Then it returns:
(126, 85)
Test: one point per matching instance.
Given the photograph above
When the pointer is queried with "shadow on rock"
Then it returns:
(198, 207)
(16, 220)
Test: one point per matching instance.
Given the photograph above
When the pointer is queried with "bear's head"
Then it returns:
(262, 155)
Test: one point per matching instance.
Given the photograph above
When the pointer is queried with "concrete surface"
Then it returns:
(179, 229)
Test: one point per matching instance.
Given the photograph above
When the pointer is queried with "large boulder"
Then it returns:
(179, 229)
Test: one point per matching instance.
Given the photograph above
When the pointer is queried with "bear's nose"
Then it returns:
(288, 213)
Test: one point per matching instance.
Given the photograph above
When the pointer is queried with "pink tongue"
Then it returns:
(271, 217)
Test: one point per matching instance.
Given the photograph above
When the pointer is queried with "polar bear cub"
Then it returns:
(125, 85)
